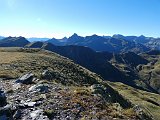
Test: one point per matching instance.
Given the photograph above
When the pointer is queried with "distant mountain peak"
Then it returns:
(118, 36)
(75, 34)
(94, 35)
(53, 38)
(142, 36)
(75, 37)
(14, 42)
(64, 38)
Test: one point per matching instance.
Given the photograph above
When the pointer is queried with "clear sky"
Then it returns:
(59, 18)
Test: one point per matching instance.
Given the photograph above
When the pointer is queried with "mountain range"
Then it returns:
(13, 42)
(99, 43)
(116, 43)
(75, 76)
(153, 43)
(119, 64)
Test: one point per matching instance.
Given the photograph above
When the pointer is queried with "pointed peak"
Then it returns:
(75, 34)
(9, 37)
(64, 38)
(142, 36)
(53, 38)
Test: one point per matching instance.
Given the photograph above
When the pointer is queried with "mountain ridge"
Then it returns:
(14, 42)
(123, 67)
(108, 65)
(99, 43)
(115, 43)
(48, 81)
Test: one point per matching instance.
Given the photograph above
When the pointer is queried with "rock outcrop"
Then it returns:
(2, 98)
(26, 79)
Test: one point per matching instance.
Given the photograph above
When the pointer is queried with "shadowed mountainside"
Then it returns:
(112, 67)
(13, 42)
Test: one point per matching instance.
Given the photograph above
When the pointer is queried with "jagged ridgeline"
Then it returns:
(38, 84)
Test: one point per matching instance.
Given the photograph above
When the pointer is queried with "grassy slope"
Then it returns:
(22, 61)
(148, 101)
(73, 83)
(151, 72)
(145, 76)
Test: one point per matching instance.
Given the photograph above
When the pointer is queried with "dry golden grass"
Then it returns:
(146, 100)
(15, 62)
(7, 57)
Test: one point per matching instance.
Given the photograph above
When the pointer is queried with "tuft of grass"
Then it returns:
(129, 112)
(50, 113)
(82, 91)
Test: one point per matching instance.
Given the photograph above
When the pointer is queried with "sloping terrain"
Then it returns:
(112, 67)
(38, 84)
(1, 37)
(13, 42)
(144, 68)
(154, 43)
(150, 73)
(150, 102)
(86, 57)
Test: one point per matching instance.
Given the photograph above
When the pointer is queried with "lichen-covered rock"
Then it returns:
(26, 79)
(103, 91)
(46, 74)
(141, 114)
(16, 86)
(38, 115)
(43, 88)
(97, 89)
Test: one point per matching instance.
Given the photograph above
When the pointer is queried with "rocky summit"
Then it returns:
(42, 85)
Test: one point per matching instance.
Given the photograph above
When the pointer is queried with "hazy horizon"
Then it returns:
(71, 35)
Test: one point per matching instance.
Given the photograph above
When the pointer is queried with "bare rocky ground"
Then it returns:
(49, 100)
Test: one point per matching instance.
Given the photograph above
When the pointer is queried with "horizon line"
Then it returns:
(67, 36)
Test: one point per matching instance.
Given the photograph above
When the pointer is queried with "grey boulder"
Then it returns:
(38, 115)
(43, 88)
(26, 79)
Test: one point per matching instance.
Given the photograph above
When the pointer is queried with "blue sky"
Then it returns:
(59, 18)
